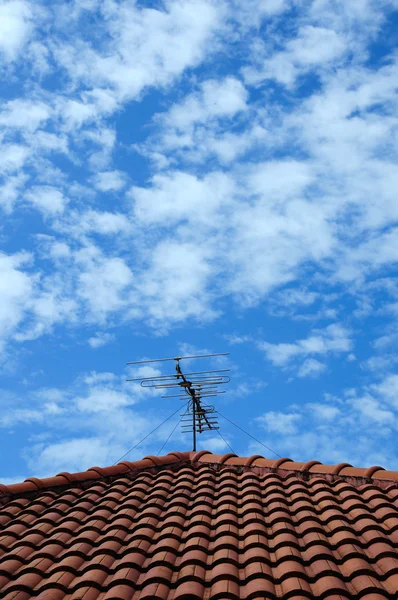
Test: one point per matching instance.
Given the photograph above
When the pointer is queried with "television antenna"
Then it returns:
(197, 385)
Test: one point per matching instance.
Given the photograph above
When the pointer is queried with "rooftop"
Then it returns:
(193, 526)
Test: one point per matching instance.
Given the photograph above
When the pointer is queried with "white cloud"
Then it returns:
(58, 250)
(94, 377)
(215, 445)
(271, 241)
(53, 409)
(370, 409)
(323, 412)
(173, 288)
(314, 195)
(179, 196)
(252, 12)
(102, 399)
(180, 36)
(388, 389)
(198, 125)
(100, 339)
(110, 181)
(12, 157)
(246, 389)
(364, 16)
(91, 421)
(145, 371)
(85, 281)
(106, 223)
(84, 223)
(260, 221)
(278, 181)
(102, 284)
(215, 99)
(207, 142)
(40, 55)
(41, 407)
(103, 140)
(16, 288)
(370, 256)
(47, 199)
(40, 141)
(268, 7)
(11, 190)
(24, 114)
(333, 339)
(76, 113)
(15, 27)
(278, 422)
(380, 364)
(238, 339)
(68, 455)
(46, 308)
(51, 306)
(313, 47)
(19, 416)
(360, 429)
(296, 297)
(385, 341)
(311, 368)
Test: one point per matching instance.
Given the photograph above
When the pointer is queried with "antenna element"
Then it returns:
(198, 417)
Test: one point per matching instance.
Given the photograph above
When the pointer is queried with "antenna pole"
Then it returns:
(194, 424)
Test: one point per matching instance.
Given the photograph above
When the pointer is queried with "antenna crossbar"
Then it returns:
(178, 385)
(202, 394)
(174, 376)
(178, 358)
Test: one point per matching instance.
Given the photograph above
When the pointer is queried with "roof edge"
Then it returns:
(313, 467)
(373, 474)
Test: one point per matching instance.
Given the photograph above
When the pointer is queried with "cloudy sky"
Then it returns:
(187, 176)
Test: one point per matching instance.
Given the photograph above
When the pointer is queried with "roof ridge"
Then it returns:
(375, 474)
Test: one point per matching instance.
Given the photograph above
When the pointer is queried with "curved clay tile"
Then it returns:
(280, 461)
(251, 459)
(308, 465)
(224, 459)
(336, 469)
(66, 476)
(285, 465)
(37, 482)
(195, 456)
(372, 470)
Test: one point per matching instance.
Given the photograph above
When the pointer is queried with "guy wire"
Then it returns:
(178, 422)
(249, 434)
(224, 440)
(147, 436)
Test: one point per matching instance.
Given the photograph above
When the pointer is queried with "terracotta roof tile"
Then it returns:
(198, 526)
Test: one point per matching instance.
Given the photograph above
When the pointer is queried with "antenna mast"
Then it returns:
(199, 417)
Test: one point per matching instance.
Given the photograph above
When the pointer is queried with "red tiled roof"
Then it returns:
(193, 526)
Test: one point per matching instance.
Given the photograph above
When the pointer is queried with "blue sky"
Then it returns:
(198, 176)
